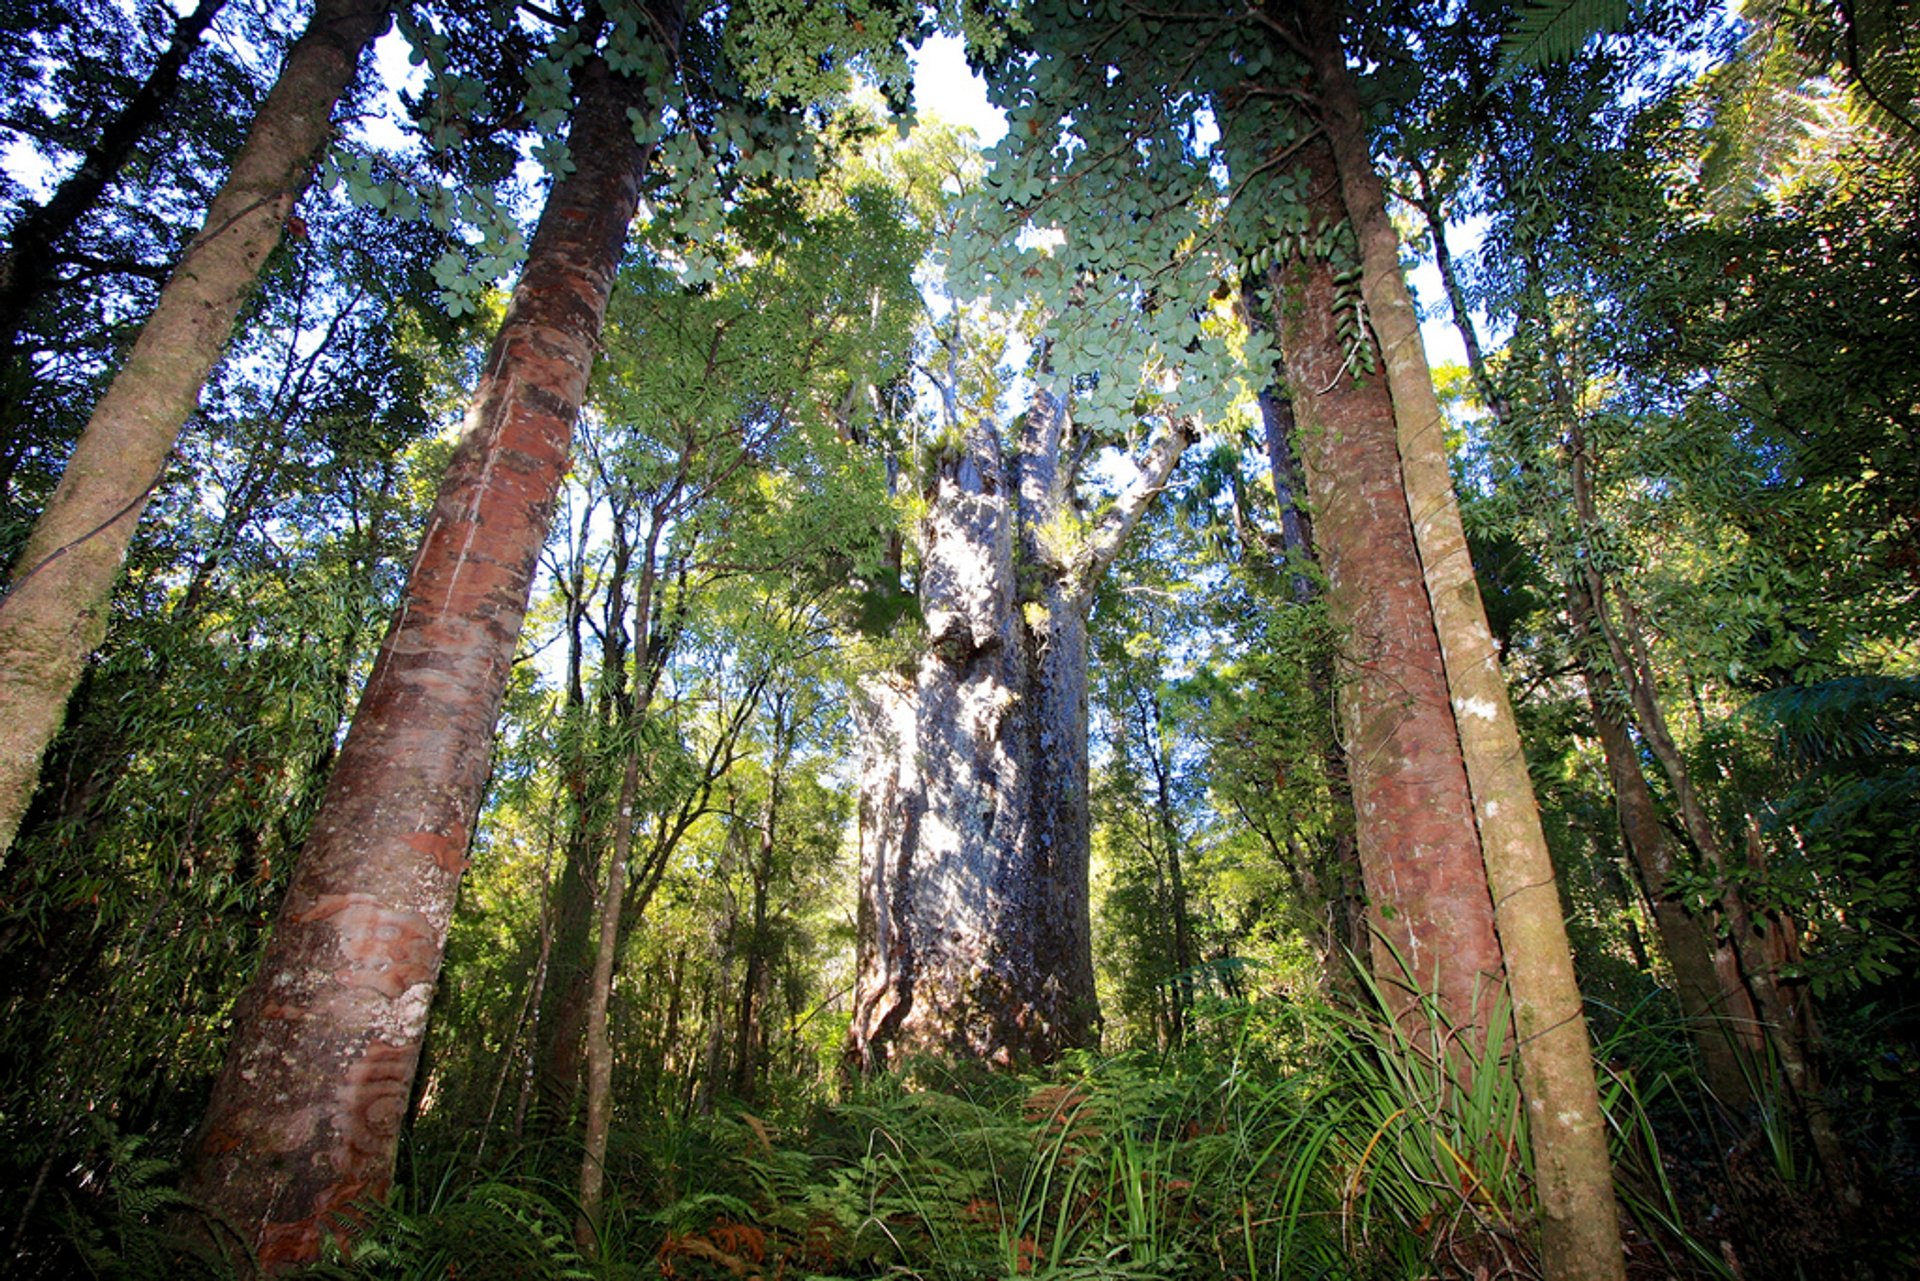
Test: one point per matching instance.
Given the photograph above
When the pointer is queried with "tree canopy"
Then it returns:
(1015, 692)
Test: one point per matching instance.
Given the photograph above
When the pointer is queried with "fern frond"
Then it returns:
(1847, 718)
(1554, 30)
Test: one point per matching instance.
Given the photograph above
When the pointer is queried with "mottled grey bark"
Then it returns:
(974, 933)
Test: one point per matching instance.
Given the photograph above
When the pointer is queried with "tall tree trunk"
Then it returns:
(1151, 727)
(974, 939)
(753, 982)
(629, 706)
(1344, 923)
(1706, 973)
(55, 611)
(1419, 852)
(1707, 981)
(1786, 1021)
(593, 1161)
(669, 1057)
(560, 1053)
(304, 1118)
(1579, 1218)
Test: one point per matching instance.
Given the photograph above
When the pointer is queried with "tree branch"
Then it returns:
(1110, 533)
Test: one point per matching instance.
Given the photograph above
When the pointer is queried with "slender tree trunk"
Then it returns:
(974, 939)
(304, 1118)
(629, 708)
(713, 1065)
(1706, 974)
(593, 1162)
(1169, 824)
(560, 1054)
(670, 1029)
(1419, 852)
(542, 964)
(1785, 1020)
(55, 611)
(1707, 981)
(1580, 1221)
(1490, 395)
(746, 1061)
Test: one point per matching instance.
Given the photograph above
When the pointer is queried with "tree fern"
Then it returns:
(1773, 123)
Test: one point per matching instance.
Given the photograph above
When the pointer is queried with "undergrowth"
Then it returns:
(1385, 1150)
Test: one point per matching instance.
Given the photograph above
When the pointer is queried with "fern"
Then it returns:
(129, 1239)
(1846, 719)
(1554, 30)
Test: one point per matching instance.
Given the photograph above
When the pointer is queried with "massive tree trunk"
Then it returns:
(305, 1116)
(55, 612)
(1579, 1219)
(974, 935)
(1419, 851)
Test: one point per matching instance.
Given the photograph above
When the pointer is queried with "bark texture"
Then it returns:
(55, 612)
(1579, 1219)
(305, 1116)
(1345, 939)
(1419, 851)
(974, 939)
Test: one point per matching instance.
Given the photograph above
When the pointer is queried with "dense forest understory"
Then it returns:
(624, 655)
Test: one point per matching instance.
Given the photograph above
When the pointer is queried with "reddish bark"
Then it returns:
(305, 1116)
(1580, 1236)
(1418, 845)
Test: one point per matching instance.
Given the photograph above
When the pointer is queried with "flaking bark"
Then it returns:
(305, 1116)
(1579, 1218)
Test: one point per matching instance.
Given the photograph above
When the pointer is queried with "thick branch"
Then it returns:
(1110, 534)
